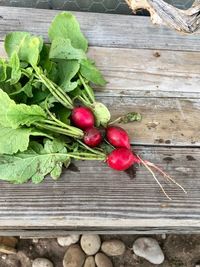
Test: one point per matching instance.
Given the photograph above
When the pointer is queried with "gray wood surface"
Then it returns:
(165, 90)
(166, 121)
(102, 29)
(97, 198)
(147, 75)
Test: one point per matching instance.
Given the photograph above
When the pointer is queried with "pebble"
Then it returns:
(68, 240)
(149, 249)
(164, 236)
(90, 244)
(74, 257)
(42, 262)
(4, 257)
(23, 257)
(102, 260)
(89, 262)
(113, 247)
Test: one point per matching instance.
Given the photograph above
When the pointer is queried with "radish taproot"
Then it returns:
(82, 117)
(117, 137)
(121, 159)
(92, 137)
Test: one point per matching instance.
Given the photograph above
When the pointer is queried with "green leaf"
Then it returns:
(22, 114)
(44, 62)
(3, 67)
(15, 68)
(62, 49)
(35, 163)
(26, 46)
(57, 170)
(67, 70)
(129, 117)
(89, 71)
(66, 26)
(101, 113)
(13, 115)
(62, 113)
(14, 140)
(5, 104)
(27, 89)
(75, 93)
(14, 41)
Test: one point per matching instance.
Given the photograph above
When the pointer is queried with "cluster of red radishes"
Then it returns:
(121, 158)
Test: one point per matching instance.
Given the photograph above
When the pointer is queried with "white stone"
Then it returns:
(149, 249)
(102, 260)
(42, 262)
(164, 236)
(74, 257)
(68, 240)
(90, 244)
(113, 247)
(89, 262)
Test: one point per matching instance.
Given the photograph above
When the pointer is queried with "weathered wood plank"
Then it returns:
(105, 199)
(165, 91)
(101, 29)
(54, 233)
(166, 121)
(146, 73)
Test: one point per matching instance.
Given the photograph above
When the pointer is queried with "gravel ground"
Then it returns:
(179, 251)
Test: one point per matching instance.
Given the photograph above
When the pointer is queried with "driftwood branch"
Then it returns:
(187, 21)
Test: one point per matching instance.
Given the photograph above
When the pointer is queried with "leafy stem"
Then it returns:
(90, 149)
(59, 130)
(87, 89)
(86, 156)
(60, 123)
(55, 90)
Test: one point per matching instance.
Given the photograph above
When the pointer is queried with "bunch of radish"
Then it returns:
(121, 157)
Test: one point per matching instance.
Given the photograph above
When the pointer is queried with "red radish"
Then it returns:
(83, 117)
(117, 137)
(121, 159)
(92, 137)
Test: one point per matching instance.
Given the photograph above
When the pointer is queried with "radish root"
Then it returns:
(149, 165)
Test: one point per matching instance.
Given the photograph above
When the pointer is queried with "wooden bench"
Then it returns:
(152, 70)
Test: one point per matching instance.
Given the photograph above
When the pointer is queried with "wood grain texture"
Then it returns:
(145, 74)
(166, 121)
(101, 29)
(164, 89)
(148, 73)
(105, 199)
(56, 232)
